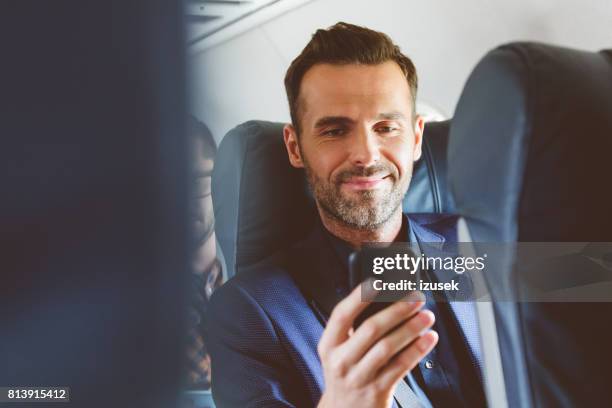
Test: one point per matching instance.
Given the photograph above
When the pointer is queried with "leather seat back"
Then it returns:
(529, 161)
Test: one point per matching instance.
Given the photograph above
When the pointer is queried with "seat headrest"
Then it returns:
(262, 204)
(529, 153)
(529, 160)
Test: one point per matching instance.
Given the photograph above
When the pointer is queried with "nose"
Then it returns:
(364, 148)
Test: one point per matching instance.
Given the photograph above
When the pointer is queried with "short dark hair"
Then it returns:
(342, 44)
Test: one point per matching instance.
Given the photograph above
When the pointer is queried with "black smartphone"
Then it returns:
(358, 272)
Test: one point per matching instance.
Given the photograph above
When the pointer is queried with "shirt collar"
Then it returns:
(343, 249)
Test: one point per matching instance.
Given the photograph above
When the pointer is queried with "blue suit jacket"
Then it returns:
(263, 327)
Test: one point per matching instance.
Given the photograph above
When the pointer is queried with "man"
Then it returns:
(282, 333)
(206, 268)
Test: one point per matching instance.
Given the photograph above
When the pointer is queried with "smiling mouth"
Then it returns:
(364, 183)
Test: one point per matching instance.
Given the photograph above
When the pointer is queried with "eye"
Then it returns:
(334, 132)
(387, 129)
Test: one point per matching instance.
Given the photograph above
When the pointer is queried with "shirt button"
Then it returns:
(429, 364)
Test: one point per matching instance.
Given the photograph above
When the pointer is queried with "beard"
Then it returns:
(365, 209)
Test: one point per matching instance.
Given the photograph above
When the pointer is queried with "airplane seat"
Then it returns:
(262, 203)
(529, 161)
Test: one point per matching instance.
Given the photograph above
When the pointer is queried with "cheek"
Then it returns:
(406, 162)
(324, 159)
(401, 155)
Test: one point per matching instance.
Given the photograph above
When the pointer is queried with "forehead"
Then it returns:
(354, 90)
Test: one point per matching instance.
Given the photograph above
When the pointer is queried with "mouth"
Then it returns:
(364, 183)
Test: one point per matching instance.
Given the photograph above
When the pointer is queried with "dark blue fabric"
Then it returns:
(264, 326)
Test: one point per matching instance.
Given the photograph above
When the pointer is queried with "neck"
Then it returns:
(386, 232)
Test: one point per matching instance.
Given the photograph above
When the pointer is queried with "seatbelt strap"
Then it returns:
(493, 373)
(405, 397)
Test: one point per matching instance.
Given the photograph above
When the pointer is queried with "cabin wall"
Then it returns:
(242, 78)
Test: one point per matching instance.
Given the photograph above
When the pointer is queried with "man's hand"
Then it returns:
(362, 369)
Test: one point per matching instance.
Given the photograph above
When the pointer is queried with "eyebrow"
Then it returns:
(344, 120)
(333, 120)
(391, 116)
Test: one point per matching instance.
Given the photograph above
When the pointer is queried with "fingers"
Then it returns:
(389, 346)
(378, 325)
(407, 359)
(341, 320)
(367, 362)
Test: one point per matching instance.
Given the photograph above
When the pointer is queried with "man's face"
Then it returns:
(358, 140)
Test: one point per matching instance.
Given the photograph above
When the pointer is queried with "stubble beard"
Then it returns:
(369, 209)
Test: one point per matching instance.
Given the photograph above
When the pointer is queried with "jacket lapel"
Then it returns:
(435, 245)
(424, 234)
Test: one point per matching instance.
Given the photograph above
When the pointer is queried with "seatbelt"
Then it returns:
(405, 397)
(493, 373)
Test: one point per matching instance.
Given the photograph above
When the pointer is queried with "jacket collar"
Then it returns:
(424, 234)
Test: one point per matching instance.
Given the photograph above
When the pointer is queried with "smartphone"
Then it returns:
(358, 273)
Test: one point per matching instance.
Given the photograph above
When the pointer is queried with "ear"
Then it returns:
(419, 125)
(292, 145)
